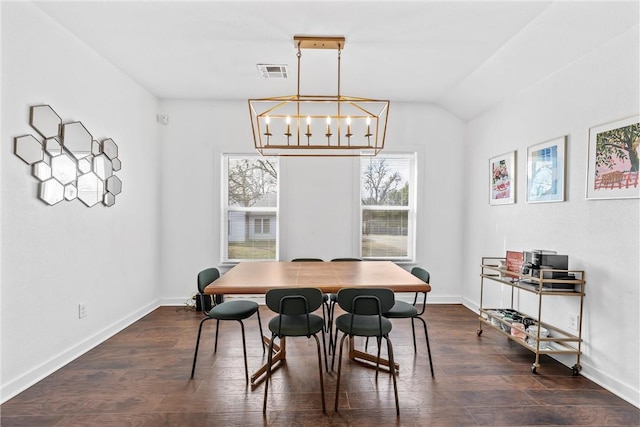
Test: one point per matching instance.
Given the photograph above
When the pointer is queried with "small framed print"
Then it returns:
(502, 179)
(545, 171)
(614, 160)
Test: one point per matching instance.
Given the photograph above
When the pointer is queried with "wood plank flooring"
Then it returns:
(140, 377)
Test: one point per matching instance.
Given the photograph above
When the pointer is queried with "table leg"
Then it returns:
(278, 358)
(366, 358)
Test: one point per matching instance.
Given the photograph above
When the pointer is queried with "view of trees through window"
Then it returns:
(386, 206)
(252, 207)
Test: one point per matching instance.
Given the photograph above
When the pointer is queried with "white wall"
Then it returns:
(318, 196)
(54, 257)
(599, 236)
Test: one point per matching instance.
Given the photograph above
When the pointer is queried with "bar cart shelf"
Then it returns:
(543, 286)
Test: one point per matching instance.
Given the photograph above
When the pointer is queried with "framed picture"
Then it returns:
(502, 179)
(612, 171)
(545, 171)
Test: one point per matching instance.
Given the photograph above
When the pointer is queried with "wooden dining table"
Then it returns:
(258, 277)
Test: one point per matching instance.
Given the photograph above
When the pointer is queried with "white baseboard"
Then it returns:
(36, 374)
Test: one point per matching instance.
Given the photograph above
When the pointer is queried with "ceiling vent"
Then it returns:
(273, 71)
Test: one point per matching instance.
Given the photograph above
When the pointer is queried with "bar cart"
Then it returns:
(544, 286)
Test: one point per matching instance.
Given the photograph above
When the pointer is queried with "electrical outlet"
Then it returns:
(574, 320)
(82, 310)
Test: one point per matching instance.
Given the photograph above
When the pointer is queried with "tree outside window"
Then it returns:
(387, 206)
(251, 206)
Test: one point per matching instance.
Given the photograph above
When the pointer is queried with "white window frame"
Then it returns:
(226, 209)
(410, 208)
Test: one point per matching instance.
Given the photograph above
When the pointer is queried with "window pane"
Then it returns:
(385, 233)
(252, 182)
(385, 181)
(250, 203)
(245, 244)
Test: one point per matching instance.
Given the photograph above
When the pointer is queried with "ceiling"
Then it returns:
(465, 56)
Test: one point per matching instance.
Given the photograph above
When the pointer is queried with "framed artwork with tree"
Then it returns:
(614, 161)
(502, 179)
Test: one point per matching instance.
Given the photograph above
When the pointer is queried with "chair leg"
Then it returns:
(333, 356)
(244, 351)
(392, 370)
(324, 407)
(413, 330)
(215, 346)
(379, 340)
(335, 408)
(426, 335)
(266, 379)
(195, 355)
(261, 335)
(324, 348)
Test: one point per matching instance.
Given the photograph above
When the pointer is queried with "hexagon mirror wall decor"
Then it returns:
(68, 163)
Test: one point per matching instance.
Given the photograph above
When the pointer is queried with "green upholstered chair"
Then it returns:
(332, 298)
(295, 319)
(363, 318)
(230, 310)
(404, 310)
(325, 299)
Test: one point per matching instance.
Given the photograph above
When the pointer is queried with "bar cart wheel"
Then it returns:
(479, 332)
(576, 369)
(534, 368)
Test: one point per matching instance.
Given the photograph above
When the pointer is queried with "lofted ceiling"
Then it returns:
(465, 56)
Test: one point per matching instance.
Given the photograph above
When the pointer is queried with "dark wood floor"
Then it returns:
(140, 377)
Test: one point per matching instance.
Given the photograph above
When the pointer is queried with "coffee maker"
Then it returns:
(537, 260)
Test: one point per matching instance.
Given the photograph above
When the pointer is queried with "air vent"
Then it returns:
(273, 71)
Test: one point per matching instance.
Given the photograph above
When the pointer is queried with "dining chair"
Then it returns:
(405, 310)
(332, 298)
(363, 318)
(229, 310)
(325, 299)
(295, 318)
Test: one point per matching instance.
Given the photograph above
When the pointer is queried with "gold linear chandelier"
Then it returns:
(318, 125)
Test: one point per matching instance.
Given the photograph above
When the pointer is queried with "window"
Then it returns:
(250, 203)
(387, 202)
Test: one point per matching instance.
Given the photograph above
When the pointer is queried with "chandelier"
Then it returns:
(318, 125)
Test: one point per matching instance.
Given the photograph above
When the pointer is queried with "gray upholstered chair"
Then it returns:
(363, 318)
(295, 319)
(230, 310)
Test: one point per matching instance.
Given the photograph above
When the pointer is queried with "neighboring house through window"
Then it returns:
(250, 203)
(387, 202)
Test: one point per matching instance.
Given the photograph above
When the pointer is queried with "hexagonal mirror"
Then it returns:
(53, 147)
(117, 165)
(70, 192)
(76, 139)
(96, 148)
(42, 171)
(102, 167)
(29, 149)
(45, 121)
(90, 189)
(63, 168)
(109, 199)
(114, 185)
(51, 191)
(84, 165)
(109, 148)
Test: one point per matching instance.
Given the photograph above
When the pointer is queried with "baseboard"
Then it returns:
(36, 374)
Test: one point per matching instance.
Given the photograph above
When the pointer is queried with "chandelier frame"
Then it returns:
(278, 123)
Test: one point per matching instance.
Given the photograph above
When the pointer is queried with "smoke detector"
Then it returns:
(273, 71)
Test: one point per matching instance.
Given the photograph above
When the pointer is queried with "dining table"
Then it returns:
(258, 277)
